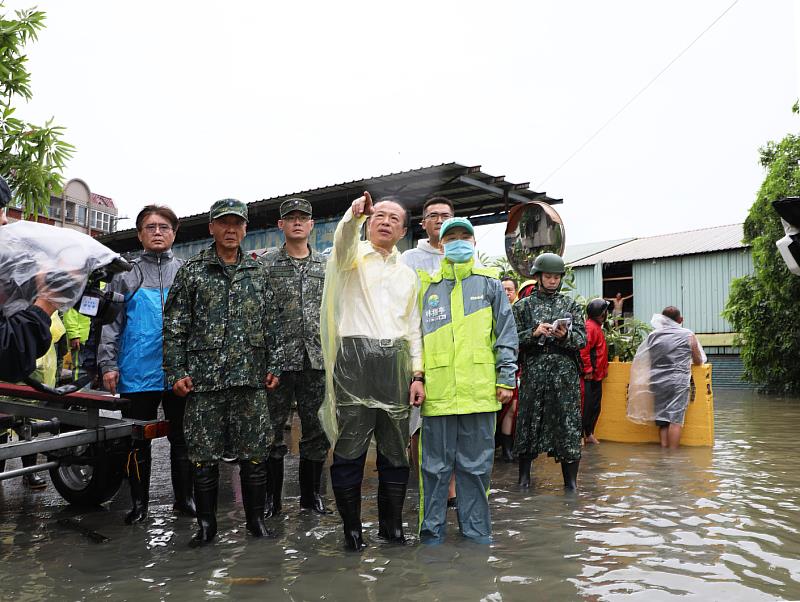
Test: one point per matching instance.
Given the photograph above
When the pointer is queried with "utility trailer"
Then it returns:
(86, 451)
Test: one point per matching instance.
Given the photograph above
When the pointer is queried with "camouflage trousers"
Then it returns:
(307, 388)
(549, 416)
(235, 419)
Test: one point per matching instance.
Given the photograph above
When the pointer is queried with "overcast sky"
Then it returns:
(184, 103)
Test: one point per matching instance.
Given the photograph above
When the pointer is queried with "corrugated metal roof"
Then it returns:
(482, 197)
(576, 252)
(705, 240)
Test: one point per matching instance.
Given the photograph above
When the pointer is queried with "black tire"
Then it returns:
(90, 484)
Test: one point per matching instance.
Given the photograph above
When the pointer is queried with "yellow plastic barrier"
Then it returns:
(613, 425)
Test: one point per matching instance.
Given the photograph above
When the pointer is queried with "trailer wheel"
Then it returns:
(89, 484)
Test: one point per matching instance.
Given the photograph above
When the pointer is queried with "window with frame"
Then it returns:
(101, 221)
(81, 213)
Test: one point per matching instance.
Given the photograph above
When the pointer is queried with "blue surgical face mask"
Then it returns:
(459, 251)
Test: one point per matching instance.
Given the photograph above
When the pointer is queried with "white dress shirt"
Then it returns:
(378, 296)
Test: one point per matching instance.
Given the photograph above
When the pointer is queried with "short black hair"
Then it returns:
(672, 312)
(390, 198)
(438, 200)
(509, 279)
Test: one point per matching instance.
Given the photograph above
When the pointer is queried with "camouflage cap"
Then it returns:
(227, 207)
(290, 205)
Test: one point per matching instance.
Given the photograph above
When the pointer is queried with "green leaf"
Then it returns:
(32, 157)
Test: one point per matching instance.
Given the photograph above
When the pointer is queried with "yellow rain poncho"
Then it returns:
(369, 303)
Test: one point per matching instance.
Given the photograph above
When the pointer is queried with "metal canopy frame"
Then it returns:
(482, 197)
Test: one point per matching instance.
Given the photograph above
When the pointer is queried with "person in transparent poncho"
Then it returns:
(372, 347)
(661, 375)
(25, 336)
(42, 268)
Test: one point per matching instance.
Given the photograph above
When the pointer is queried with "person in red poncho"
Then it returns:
(595, 366)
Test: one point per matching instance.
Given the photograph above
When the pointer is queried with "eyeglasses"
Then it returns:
(151, 228)
(302, 218)
(436, 216)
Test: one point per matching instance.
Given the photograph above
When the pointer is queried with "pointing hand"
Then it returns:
(362, 205)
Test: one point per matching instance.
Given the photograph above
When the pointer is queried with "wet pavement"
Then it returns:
(710, 524)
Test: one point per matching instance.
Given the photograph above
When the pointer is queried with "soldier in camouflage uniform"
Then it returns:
(549, 419)
(295, 276)
(220, 351)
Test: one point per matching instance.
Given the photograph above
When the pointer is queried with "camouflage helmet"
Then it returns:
(550, 263)
(596, 307)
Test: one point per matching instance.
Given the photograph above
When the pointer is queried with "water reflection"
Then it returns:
(708, 524)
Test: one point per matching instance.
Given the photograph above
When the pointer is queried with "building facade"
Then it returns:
(690, 270)
(77, 208)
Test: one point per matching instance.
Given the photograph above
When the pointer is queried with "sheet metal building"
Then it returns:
(691, 270)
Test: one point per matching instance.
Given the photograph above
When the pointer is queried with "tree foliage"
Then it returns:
(31, 156)
(763, 307)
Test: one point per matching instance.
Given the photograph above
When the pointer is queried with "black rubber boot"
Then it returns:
(569, 470)
(254, 494)
(138, 470)
(507, 442)
(310, 481)
(391, 497)
(348, 502)
(182, 480)
(274, 486)
(33, 481)
(206, 485)
(524, 472)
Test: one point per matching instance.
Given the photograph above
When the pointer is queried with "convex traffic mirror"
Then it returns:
(533, 228)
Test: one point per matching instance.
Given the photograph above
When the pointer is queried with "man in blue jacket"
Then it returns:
(130, 356)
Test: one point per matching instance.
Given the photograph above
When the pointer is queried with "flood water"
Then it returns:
(711, 524)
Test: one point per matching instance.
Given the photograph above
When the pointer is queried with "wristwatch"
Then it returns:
(418, 379)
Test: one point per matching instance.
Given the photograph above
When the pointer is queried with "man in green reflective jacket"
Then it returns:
(470, 354)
